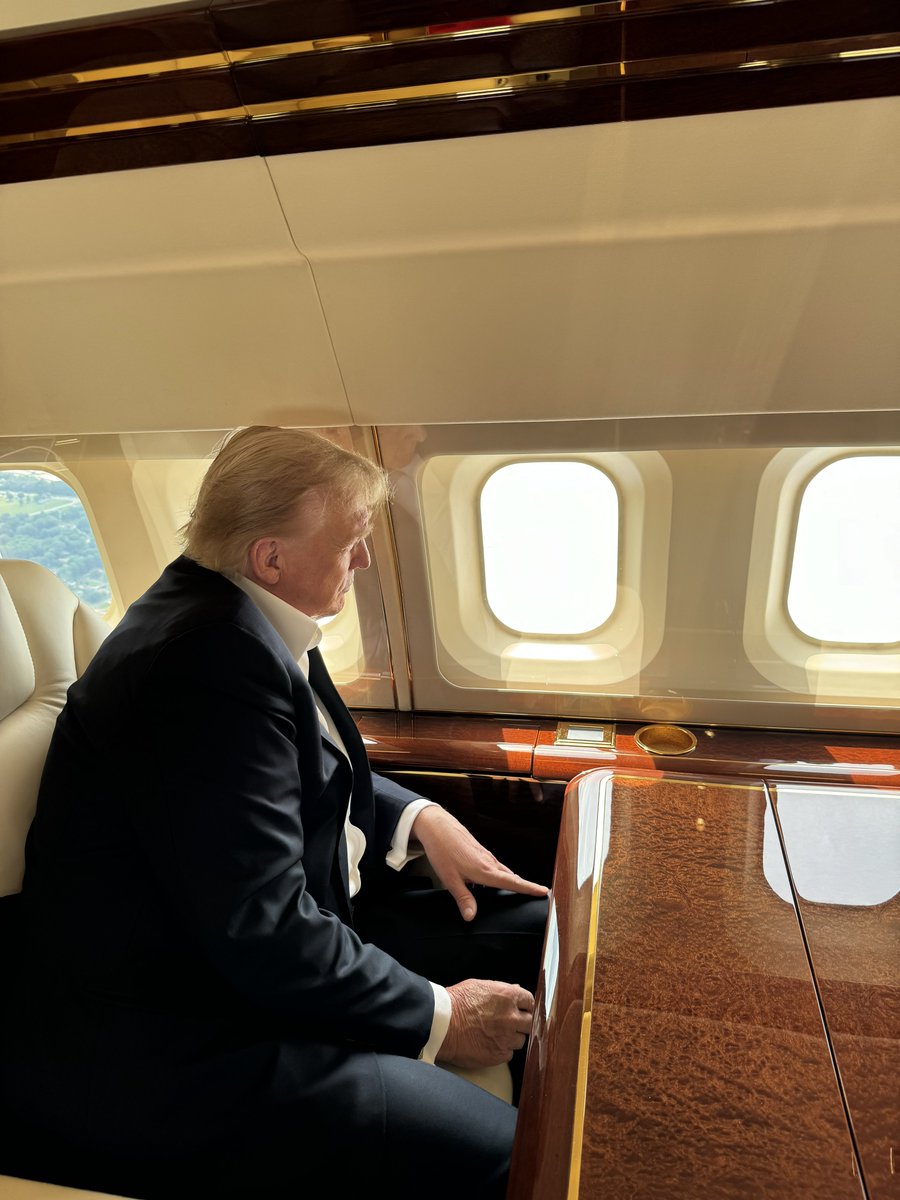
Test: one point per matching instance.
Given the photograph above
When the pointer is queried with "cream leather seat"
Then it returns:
(47, 638)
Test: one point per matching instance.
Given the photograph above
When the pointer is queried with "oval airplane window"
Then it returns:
(845, 576)
(42, 519)
(550, 546)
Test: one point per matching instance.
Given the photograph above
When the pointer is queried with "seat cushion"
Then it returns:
(47, 638)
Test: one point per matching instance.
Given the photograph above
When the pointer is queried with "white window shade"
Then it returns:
(845, 575)
(542, 522)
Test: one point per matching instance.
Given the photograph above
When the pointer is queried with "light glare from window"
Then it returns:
(550, 533)
(845, 576)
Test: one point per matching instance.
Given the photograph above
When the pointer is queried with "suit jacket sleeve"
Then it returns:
(236, 826)
(390, 801)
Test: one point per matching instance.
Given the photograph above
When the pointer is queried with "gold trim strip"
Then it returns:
(423, 33)
(43, 135)
(196, 62)
(590, 968)
(596, 735)
(581, 1080)
(363, 41)
(460, 90)
(473, 89)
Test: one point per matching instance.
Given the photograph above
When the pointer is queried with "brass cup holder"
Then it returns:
(665, 739)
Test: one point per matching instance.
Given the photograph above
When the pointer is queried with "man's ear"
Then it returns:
(264, 561)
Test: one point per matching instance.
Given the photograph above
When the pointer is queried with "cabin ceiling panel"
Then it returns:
(734, 263)
(651, 327)
(173, 217)
(780, 168)
(203, 349)
(159, 300)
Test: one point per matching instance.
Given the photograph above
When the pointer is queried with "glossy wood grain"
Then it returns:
(708, 1071)
(106, 45)
(843, 847)
(551, 1105)
(839, 758)
(646, 59)
(517, 819)
(401, 740)
(516, 746)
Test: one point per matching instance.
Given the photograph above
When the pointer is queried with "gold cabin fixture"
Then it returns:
(665, 739)
(598, 737)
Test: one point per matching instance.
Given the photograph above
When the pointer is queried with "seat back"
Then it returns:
(47, 638)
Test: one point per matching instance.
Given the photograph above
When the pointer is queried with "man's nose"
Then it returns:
(362, 558)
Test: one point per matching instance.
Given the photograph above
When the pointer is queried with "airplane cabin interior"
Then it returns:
(612, 292)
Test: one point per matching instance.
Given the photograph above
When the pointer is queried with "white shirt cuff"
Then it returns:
(400, 854)
(440, 1023)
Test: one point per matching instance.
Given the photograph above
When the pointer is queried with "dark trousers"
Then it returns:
(432, 1134)
(464, 1135)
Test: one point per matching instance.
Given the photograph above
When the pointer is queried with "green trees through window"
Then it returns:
(42, 519)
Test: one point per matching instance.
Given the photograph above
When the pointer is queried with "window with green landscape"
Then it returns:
(42, 519)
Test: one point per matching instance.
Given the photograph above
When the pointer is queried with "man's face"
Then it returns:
(318, 554)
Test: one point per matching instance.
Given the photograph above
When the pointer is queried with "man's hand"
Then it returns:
(458, 860)
(489, 1021)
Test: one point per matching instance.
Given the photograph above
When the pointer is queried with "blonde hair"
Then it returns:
(256, 485)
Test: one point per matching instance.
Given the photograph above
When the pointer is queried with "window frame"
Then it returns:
(805, 667)
(114, 608)
(474, 650)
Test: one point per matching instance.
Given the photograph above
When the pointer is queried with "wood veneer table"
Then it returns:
(679, 1047)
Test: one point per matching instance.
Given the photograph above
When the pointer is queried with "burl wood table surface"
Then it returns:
(711, 1023)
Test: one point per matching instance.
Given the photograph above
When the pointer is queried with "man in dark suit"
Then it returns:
(205, 1007)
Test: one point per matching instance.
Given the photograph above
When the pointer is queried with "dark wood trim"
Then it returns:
(513, 746)
(254, 63)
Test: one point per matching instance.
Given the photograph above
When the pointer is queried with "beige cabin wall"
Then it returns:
(122, 533)
(158, 300)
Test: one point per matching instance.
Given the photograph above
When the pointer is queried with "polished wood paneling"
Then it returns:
(152, 148)
(851, 871)
(839, 758)
(551, 1107)
(262, 22)
(708, 1071)
(401, 740)
(104, 104)
(421, 62)
(517, 819)
(646, 59)
(688, 29)
(105, 46)
(515, 746)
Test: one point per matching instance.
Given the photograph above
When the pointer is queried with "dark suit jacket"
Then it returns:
(191, 956)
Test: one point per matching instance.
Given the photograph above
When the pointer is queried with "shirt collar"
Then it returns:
(298, 631)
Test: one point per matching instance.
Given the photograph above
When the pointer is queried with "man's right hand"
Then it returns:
(489, 1021)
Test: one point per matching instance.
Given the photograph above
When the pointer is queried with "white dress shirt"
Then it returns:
(300, 634)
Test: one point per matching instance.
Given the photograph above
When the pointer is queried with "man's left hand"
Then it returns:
(458, 860)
